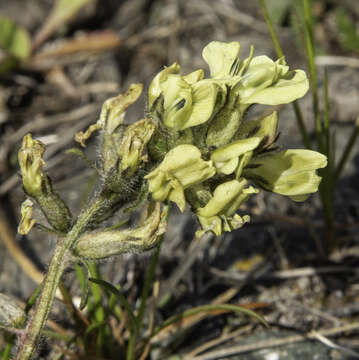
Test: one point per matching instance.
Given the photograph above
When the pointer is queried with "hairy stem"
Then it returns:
(60, 258)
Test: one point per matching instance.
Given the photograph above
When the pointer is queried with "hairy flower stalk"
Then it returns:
(107, 201)
(195, 148)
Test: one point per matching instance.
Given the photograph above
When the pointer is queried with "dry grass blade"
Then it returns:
(92, 43)
(241, 349)
(62, 12)
(217, 341)
(16, 252)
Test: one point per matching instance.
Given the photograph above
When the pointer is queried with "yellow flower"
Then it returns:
(181, 168)
(288, 172)
(217, 214)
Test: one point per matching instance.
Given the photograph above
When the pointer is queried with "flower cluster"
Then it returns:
(208, 156)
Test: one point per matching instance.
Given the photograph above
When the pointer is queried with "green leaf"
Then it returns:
(32, 300)
(14, 39)
(123, 301)
(82, 274)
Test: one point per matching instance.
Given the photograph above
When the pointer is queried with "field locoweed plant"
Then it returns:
(193, 149)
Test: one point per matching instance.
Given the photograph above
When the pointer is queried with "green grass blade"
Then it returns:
(150, 273)
(114, 306)
(279, 51)
(97, 309)
(207, 308)
(32, 300)
(149, 277)
(327, 186)
(123, 301)
(82, 275)
(326, 116)
(310, 47)
(347, 151)
(272, 32)
(6, 355)
(301, 124)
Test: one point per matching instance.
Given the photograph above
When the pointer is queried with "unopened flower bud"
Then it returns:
(112, 113)
(38, 185)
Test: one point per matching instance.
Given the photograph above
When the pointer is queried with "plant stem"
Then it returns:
(310, 47)
(6, 355)
(347, 151)
(150, 273)
(57, 266)
(280, 54)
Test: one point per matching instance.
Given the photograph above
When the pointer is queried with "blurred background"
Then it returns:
(59, 61)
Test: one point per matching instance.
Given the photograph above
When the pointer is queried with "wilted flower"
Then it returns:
(103, 244)
(133, 145)
(26, 222)
(38, 185)
(31, 164)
